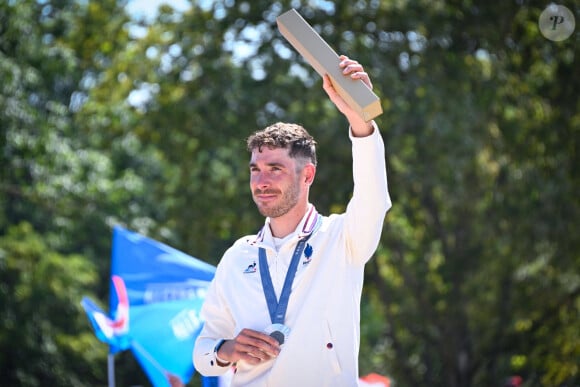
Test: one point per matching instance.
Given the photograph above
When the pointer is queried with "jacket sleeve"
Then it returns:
(218, 325)
(204, 358)
(370, 201)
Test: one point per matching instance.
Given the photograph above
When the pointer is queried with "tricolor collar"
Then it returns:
(307, 226)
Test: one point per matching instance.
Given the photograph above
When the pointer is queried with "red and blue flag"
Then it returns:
(155, 299)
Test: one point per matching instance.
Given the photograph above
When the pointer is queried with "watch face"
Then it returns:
(278, 331)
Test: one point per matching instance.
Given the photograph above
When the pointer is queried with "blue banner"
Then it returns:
(156, 295)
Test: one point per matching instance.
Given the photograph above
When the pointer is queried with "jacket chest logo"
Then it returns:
(307, 254)
(251, 268)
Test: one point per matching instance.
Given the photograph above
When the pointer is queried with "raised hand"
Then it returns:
(350, 68)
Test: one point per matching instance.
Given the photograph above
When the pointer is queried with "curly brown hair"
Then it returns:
(300, 144)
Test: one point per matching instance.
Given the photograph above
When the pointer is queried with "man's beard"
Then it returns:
(289, 200)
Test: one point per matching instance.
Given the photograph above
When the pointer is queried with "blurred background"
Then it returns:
(116, 113)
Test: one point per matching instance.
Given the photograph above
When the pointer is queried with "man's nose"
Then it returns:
(261, 179)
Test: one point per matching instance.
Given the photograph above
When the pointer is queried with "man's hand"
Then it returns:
(350, 68)
(251, 346)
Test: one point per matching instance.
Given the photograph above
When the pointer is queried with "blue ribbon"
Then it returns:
(277, 308)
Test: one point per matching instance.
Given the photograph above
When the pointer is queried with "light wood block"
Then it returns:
(325, 61)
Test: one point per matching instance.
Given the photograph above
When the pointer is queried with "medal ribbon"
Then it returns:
(277, 308)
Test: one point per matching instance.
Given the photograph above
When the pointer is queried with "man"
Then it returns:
(284, 306)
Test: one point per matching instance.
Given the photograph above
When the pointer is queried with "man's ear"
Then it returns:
(309, 173)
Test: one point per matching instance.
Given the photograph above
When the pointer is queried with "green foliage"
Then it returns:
(106, 119)
(41, 315)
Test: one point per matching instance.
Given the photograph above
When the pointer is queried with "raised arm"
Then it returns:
(370, 201)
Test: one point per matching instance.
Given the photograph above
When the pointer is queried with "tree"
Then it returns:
(473, 277)
(42, 333)
(59, 193)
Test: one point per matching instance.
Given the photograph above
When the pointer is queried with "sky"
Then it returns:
(148, 8)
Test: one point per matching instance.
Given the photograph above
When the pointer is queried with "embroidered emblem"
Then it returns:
(250, 269)
(307, 254)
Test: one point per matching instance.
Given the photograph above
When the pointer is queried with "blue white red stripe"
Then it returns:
(310, 222)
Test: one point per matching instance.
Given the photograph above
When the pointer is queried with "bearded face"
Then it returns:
(275, 181)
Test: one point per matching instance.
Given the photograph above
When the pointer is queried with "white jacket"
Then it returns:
(324, 308)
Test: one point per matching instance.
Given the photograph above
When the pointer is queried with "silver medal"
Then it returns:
(278, 331)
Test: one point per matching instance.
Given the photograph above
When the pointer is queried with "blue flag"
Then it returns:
(156, 295)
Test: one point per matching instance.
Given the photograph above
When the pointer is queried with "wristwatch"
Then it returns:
(220, 362)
